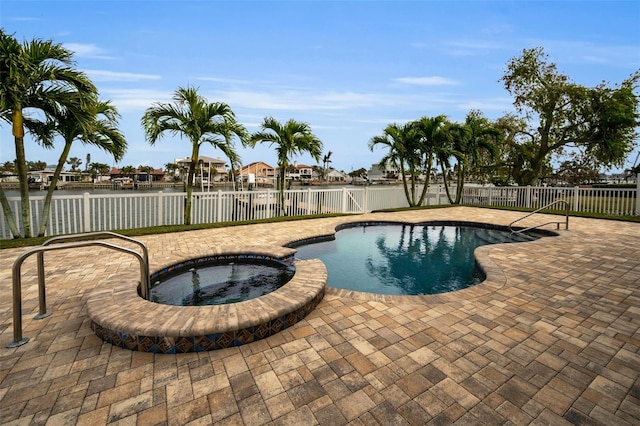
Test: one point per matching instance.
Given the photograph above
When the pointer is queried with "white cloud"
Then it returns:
(427, 81)
(306, 100)
(103, 75)
(127, 100)
(87, 50)
(494, 104)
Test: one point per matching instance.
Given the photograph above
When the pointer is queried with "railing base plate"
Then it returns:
(41, 316)
(18, 343)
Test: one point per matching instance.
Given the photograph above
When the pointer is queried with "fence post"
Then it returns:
(637, 194)
(344, 200)
(365, 200)
(528, 197)
(160, 220)
(576, 198)
(219, 206)
(87, 213)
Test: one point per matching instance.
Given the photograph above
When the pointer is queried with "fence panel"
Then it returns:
(105, 212)
(609, 201)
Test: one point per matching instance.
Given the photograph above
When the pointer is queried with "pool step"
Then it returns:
(494, 236)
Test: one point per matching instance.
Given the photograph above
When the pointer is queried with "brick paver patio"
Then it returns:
(558, 342)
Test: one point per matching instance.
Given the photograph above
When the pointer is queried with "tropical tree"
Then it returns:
(128, 171)
(230, 129)
(578, 169)
(98, 169)
(75, 163)
(291, 138)
(146, 169)
(36, 165)
(171, 168)
(413, 149)
(192, 117)
(326, 160)
(472, 144)
(360, 173)
(36, 83)
(101, 132)
(559, 114)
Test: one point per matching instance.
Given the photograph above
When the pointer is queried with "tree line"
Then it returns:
(42, 94)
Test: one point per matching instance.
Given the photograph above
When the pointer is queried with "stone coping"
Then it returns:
(121, 317)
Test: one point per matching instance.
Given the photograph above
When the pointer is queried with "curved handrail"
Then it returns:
(566, 220)
(18, 340)
(41, 287)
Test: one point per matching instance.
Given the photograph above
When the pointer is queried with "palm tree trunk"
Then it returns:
(21, 168)
(460, 184)
(446, 184)
(281, 194)
(407, 194)
(427, 179)
(47, 199)
(8, 214)
(190, 176)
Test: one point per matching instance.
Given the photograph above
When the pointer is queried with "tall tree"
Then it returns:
(397, 139)
(326, 160)
(230, 130)
(473, 146)
(291, 138)
(99, 169)
(74, 163)
(413, 148)
(192, 117)
(102, 132)
(560, 114)
(36, 82)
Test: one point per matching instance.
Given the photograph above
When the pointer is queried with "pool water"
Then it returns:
(222, 282)
(403, 259)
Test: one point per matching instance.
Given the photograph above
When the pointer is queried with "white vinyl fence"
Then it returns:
(91, 212)
(87, 212)
(608, 201)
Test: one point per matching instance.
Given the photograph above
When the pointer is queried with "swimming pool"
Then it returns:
(404, 259)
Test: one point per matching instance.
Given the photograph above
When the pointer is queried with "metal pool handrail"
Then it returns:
(566, 218)
(18, 340)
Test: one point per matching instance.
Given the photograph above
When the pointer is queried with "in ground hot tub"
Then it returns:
(121, 317)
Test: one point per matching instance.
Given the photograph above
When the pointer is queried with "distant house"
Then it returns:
(263, 173)
(45, 176)
(334, 175)
(618, 178)
(207, 170)
(137, 176)
(302, 172)
(378, 172)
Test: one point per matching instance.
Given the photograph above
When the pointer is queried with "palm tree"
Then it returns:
(413, 148)
(326, 160)
(36, 76)
(231, 129)
(193, 117)
(128, 171)
(431, 143)
(291, 138)
(397, 138)
(101, 132)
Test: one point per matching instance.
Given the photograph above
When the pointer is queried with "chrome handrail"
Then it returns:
(566, 218)
(17, 281)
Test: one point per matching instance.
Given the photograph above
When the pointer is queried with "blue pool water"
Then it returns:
(221, 282)
(403, 259)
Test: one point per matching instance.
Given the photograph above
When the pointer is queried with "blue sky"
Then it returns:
(346, 68)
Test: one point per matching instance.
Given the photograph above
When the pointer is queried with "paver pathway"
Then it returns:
(558, 343)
